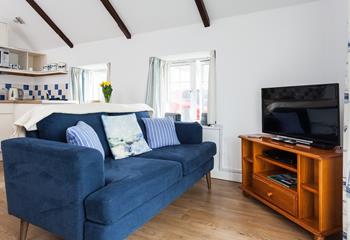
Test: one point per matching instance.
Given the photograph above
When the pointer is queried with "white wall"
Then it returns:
(302, 44)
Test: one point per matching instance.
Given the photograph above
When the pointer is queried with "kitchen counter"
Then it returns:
(37, 102)
(22, 101)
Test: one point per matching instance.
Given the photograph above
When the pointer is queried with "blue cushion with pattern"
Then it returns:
(161, 132)
(84, 135)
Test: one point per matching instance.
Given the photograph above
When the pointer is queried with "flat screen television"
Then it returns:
(309, 113)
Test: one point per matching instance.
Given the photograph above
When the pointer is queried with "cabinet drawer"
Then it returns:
(276, 195)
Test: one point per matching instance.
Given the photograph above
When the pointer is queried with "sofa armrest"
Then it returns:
(189, 133)
(47, 182)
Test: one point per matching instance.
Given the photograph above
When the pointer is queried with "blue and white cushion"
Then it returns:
(161, 132)
(124, 136)
(84, 135)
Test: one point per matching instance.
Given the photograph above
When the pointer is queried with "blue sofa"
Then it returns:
(74, 193)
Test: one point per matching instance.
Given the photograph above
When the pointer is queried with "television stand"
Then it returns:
(314, 202)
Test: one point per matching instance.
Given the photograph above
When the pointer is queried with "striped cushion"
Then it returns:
(84, 135)
(160, 132)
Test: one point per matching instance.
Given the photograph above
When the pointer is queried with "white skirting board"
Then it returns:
(214, 134)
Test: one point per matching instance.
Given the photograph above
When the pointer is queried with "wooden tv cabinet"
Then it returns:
(315, 203)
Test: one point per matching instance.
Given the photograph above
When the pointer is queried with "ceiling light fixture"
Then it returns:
(18, 20)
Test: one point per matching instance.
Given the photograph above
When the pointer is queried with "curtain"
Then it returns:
(77, 76)
(109, 72)
(212, 89)
(156, 85)
(346, 153)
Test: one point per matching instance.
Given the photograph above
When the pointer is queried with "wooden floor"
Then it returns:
(222, 213)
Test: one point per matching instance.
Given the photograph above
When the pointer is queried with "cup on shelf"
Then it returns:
(53, 66)
(46, 68)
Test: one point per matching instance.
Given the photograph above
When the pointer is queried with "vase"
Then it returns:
(107, 93)
(107, 98)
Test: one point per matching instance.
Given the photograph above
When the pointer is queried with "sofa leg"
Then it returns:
(208, 177)
(23, 230)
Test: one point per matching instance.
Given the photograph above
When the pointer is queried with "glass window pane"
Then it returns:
(188, 90)
(204, 87)
(92, 89)
(179, 90)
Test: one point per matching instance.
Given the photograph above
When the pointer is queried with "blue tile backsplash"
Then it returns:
(37, 91)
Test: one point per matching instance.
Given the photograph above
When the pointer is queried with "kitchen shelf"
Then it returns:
(30, 73)
(31, 62)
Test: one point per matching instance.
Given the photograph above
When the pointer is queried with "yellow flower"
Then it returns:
(105, 84)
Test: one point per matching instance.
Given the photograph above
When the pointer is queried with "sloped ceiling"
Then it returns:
(87, 20)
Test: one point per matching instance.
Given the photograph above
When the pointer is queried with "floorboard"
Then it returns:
(221, 214)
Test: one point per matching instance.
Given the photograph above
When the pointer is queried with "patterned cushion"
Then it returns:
(124, 136)
(161, 132)
(84, 135)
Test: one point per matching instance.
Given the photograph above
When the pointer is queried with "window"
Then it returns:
(187, 89)
(92, 89)
(86, 82)
(181, 87)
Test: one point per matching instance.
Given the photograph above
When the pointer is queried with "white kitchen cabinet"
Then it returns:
(6, 121)
(10, 112)
(21, 109)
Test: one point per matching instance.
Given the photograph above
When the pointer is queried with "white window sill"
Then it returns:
(214, 127)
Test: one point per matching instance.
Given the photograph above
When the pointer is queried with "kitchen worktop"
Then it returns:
(37, 102)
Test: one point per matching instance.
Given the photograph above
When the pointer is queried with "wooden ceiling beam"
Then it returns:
(116, 17)
(203, 12)
(49, 21)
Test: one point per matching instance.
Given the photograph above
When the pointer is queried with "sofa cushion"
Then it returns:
(84, 135)
(189, 132)
(160, 132)
(139, 116)
(191, 156)
(129, 183)
(54, 126)
(124, 136)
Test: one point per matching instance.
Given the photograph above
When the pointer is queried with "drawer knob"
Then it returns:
(269, 194)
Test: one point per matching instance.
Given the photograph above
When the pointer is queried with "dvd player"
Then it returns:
(281, 156)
